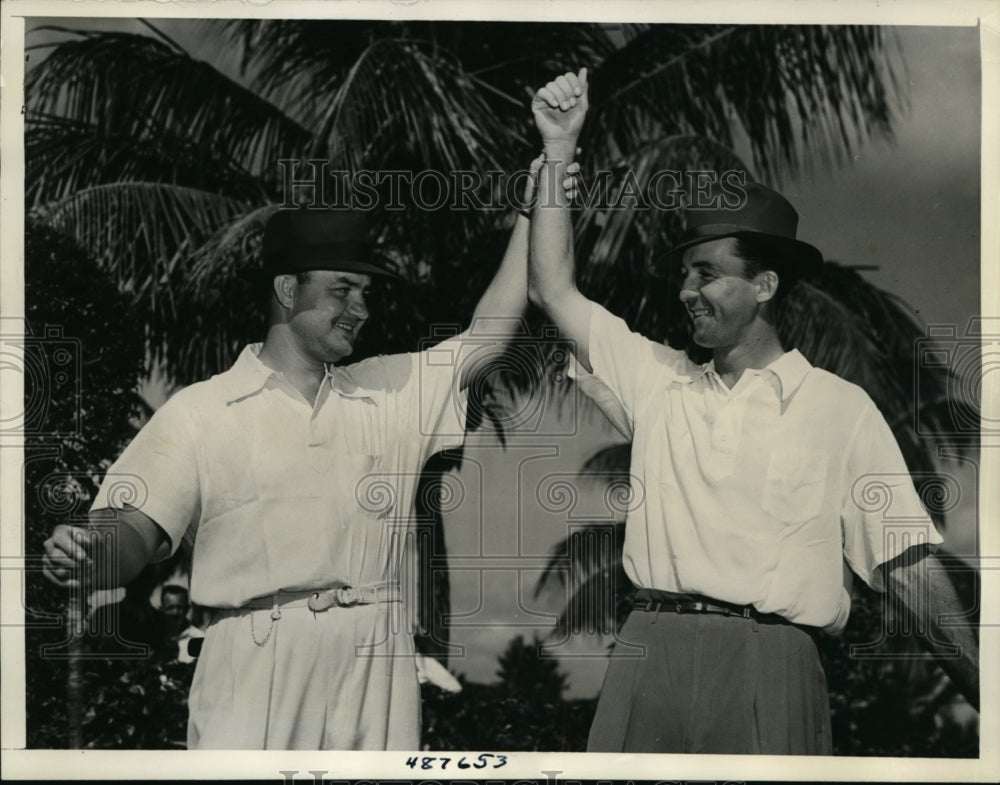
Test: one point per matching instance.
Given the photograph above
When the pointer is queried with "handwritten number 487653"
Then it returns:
(478, 762)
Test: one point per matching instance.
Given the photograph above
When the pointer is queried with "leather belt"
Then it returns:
(670, 602)
(319, 600)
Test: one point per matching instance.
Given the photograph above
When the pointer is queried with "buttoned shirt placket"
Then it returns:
(318, 437)
(726, 418)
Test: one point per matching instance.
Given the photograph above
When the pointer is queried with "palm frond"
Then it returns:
(423, 101)
(609, 463)
(834, 336)
(623, 238)
(292, 63)
(813, 95)
(231, 250)
(586, 566)
(201, 335)
(846, 325)
(63, 156)
(139, 87)
(297, 64)
(139, 232)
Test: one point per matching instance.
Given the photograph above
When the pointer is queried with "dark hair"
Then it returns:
(760, 253)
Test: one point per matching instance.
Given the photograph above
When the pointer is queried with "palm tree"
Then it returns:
(165, 168)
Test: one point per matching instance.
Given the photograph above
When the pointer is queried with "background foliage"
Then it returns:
(76, 427)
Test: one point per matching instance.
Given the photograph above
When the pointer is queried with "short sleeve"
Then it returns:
(157, 474)
(434, 401)
(603, 397)
(882, 515)
(626, 367)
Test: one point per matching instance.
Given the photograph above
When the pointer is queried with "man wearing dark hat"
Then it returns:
(754, 471)
(295, 481)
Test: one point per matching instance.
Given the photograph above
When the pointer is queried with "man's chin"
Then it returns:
(704, 341)
(335, 353)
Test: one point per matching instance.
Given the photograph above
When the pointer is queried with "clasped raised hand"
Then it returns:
(559, 109)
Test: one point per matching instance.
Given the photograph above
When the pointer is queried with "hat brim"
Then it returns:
(364, 268)
(796, 256)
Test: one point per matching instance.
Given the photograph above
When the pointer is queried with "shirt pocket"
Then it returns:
(795, 485)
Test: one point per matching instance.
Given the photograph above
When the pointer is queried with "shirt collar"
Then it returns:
(790, 369)
(248, 375)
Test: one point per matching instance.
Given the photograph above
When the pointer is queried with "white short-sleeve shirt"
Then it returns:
(280, 495)
(757, 494)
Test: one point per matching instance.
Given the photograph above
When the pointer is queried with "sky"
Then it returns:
(909, 208)
(912, 208)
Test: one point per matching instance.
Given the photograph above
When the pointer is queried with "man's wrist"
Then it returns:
(561, 150)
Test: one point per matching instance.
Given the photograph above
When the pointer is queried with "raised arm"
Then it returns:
(559, 109)
(498, 312)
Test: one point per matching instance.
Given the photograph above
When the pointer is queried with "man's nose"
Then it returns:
(688, 292)
(358, 307)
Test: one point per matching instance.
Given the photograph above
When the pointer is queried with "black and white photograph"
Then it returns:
(568, 393)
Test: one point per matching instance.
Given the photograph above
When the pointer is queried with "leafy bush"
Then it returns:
(81, 369)
(525, 711)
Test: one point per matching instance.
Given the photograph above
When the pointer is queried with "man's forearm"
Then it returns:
(507, 295)
(559, 109)
(498, 312)
(551, 273)
(920, 582)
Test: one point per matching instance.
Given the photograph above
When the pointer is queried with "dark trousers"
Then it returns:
(713, 684)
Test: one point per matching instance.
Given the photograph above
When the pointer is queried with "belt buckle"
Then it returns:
(340, 596)
(318, 602)
(747, 611)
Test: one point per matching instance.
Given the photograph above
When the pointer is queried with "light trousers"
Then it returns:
(341, 679)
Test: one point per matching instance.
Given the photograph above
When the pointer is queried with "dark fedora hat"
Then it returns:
(765, 213)
(301, 240)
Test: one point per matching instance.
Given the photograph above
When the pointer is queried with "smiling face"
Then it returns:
(327, 311)
(721, 301)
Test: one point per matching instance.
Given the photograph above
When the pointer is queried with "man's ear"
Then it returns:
(767, 285)
(284, 289)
